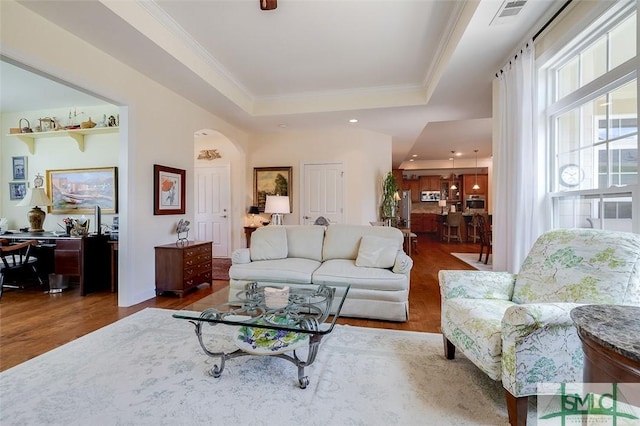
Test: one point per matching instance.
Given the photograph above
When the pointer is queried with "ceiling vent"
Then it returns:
(508, 12)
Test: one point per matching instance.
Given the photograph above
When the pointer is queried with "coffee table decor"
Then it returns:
(280, 329)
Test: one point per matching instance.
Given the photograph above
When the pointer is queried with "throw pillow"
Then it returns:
(377, 252)
(269, 243)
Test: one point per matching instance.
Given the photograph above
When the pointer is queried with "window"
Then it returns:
(592, 123)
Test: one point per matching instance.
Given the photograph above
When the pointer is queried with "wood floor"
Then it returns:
(33, 322)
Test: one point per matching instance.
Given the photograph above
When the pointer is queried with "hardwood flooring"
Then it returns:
(33, 322)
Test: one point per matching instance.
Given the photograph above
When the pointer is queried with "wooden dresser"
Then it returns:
(181, 267)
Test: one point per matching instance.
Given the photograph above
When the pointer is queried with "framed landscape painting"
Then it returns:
(80, 190)
(169, 188)
(271, 181)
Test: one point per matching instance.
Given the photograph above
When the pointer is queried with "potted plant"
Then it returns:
(389, 198)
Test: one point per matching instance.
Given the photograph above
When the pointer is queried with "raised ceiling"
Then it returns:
(420, 71)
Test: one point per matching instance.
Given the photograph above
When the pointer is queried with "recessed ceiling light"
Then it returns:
(458, 154)
(353, 120)
(414, 155)
(412, 159)
(284, 126)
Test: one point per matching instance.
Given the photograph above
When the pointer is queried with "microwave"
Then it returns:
(430, 196)
(475, 202)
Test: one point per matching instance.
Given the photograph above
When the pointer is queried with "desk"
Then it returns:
(113, 244)
(84, 257)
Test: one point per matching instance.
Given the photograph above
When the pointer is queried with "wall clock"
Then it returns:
(571, 175)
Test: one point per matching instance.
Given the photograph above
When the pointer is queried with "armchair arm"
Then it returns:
(476, 284)
(539, 344)
(241, 255)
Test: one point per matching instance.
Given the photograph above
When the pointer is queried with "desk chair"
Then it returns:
(452, 226)
(17, 258)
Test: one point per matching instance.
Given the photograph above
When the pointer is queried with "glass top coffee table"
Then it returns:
(274, 320)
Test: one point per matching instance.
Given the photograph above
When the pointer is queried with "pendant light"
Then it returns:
(453, 174)
(476, 186)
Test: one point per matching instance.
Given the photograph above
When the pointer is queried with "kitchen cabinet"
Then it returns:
(429, 222)
(429, 183)
(414, 186)
(470, 180)
(451, 195)
(417, 224)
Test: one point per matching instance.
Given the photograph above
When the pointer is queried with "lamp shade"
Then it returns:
(35, 197)
(442, 203)
(277, 204)
(254, 210)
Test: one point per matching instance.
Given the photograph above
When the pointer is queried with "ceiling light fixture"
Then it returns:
(453, 172)
(353, 120)
(476, 186)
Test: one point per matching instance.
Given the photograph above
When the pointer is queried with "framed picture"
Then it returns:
(80, 190)
(17, 190)
(271, 181)
(19, 168)
(168, 190)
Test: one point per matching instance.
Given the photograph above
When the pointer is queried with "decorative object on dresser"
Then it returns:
(182, 229)
(253, 211)
(181, 267)
(169, 187)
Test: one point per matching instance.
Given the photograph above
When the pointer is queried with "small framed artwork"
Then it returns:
(81, 190)
(169, 190)
(271, 181)
(19, 168)
(17, 190)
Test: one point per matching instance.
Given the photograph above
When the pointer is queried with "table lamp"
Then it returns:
(277, 205)
(36, 197)
(442, 204)
(253, 211)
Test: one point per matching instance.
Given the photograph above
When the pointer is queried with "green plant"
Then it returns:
(389, 194)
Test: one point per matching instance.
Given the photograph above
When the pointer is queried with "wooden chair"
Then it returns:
(452, 226)
(17, 258)
(484, 229)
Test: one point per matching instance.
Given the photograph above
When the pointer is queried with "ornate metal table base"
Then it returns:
(216, 370)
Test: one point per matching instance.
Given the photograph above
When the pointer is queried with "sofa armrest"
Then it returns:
(403, 263)
(539, 344)
(476, 284)
(241, 255)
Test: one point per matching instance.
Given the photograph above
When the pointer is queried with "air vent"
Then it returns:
(508, 11)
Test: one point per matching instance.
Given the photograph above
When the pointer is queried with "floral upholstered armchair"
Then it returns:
(517, 328)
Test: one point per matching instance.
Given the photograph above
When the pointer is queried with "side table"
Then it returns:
(610, 336)
(248, 230)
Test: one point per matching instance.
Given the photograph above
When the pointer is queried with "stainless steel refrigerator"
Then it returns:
(404, 209)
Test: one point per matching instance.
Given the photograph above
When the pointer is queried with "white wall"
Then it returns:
(156, 127)
(366, 156)
(52, 153)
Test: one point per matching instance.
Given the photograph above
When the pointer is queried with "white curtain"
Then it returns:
(519, 172)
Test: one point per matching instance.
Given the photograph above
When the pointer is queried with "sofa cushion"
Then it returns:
(343, 241)
(305, 241)
(343, 271)
(269, 243)
(589, 266)
(277, 271)
(376, 252)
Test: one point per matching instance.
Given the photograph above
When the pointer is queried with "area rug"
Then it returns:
(472, 260)
(148, 369)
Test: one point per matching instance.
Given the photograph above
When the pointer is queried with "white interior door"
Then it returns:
(322, 194)
(212, 207)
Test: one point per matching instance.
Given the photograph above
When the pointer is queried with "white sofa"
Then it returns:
(369, 258)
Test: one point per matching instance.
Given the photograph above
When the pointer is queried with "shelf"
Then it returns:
(76, 134)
